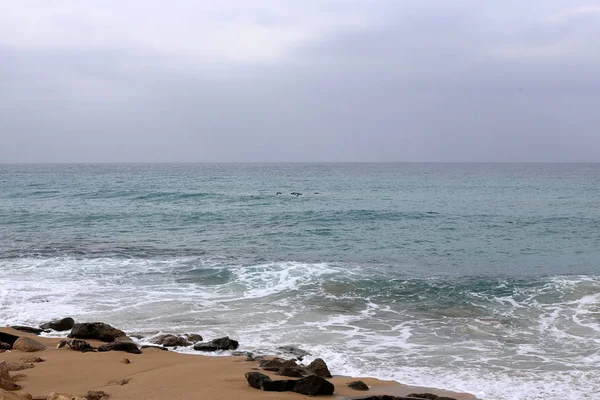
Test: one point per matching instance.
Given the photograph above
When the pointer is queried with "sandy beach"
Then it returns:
(158, 374)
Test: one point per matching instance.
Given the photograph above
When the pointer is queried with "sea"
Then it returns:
(482, 278)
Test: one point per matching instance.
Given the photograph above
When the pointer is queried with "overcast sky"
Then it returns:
(309, 80)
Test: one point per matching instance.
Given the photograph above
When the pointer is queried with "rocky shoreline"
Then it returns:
(263, 375)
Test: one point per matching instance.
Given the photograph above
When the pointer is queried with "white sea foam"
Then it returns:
(538, 343)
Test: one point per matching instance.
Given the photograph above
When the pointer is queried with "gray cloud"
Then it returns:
(320, 81)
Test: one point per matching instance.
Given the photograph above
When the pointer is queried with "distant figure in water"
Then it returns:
(277, 194)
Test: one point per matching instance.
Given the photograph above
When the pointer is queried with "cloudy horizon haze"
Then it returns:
(314, 81)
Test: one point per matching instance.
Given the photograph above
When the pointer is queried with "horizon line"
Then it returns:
(289, 162)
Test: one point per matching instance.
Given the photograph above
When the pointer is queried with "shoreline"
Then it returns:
(158, 374)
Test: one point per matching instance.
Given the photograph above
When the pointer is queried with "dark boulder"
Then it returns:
(319, 368)
(283, 385)
(291, 371)
(95, 330)
(27, 329)
(124, 339)
(429, 396)
(272, 365)
(77, 345)
(8, 338)
(5, 346)
(193, 337)
(169, 340)
(384, 397)
(150, 346)
(255, 379)
(410, 397)
(63, 324)
(313, 386)
(358, 385)
(128, 347)
(224, 343)
(262, 382)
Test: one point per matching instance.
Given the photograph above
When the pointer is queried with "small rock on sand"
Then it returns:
(7, 384)
(96, 395)
(62, 396)
(120, 382)
(31, 360)
(4, 371)
(15, 396)
(126, 361)
(19, 366)
(358, 385)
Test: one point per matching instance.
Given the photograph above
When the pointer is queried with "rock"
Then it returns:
(224, 343)
(123, 339)
(148, 346)
(384, 397)
(255, 379)
(63, 324)
(272, 365)
(120, 382)
(77, 345)
(31, 360)
(62, 396)
(319, 368)
(125, 361)
(8, 338)
(295, 351)
(241, 353)
(128, 347)
(27, 329)
(95, 330)
(313, 386)
(193, 337)
(252, 357)
(358, 385)
(169, 340)
(27, 344)
(19, 366)
(5, 346)
(4, 371)
(429, 396)
(291, 371)
(261, 381)
(96, 395)
(15, 396)
(278, 386)
(7, 384)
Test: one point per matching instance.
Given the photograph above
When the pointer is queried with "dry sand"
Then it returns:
(158, 374)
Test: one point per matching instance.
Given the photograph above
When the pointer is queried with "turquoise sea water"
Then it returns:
(475, 277)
